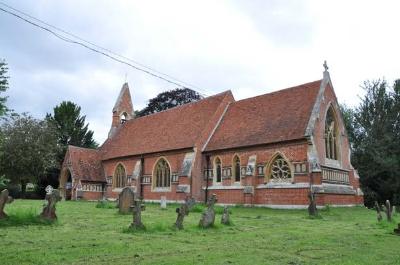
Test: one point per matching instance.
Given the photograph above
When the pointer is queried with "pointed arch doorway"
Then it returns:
(66, 184)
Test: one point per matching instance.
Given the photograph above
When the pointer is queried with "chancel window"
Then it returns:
(236, 168)
(280, 170)
(218, 170)
(331, 133)
(119, 180)
(162, 174)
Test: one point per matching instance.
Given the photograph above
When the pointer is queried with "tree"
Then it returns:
(3, 86)
(169, 99)
(28, 149)
(70, 128)
(376, 141)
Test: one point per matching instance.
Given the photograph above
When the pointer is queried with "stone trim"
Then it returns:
(271, 185)
(215, 187)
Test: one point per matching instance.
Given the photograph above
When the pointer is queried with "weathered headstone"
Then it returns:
(388, 210)
(208, 216)
(378, 211)
(397, 230)
(49, 208)
(183, 211)
(126, 199)
(137, 207)
(163, 202)
(312, 207)
(4, 198)
(225, 219)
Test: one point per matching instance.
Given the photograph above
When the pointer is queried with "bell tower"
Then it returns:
(123, 109)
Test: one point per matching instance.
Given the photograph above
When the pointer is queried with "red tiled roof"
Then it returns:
(173, 129)
(279, 116)
(85, 163)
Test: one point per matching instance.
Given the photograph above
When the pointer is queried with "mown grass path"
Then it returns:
(85, 234)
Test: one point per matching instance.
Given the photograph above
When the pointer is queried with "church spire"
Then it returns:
(123, 109)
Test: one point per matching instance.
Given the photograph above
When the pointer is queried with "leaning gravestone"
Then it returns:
(378, 211)
(126, 199)
(4, 198)
(137, 207)
(49, 208)
(163, 202)
(208, 216)
(183, 211)
(225, 219)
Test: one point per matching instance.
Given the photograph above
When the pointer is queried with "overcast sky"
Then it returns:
(250, 47)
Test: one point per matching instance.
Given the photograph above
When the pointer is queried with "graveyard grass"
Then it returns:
(86, 234)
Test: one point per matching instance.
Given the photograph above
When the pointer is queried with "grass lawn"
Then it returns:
(85, 234)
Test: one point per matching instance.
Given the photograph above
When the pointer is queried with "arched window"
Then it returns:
(119, 180)
(124, 117)
(236, 168)
(218, 170)
(331, 135)
(279, 170)
(162, 174)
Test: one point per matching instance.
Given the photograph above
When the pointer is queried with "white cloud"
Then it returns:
(251, 47)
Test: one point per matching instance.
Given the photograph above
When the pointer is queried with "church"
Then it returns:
(270, 150)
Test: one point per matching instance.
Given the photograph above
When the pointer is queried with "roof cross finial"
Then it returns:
(126, 77)
(325, 65)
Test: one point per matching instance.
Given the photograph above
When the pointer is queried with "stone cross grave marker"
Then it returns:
(208, 216)
(49, 208)
(49, 189)
(225, 219)
(4, 198)
(163, 202)
(126, 199)
(137, 207)
(183, 211)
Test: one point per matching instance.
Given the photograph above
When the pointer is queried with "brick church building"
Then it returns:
(269, 150)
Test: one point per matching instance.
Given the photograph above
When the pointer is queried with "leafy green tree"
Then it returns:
(28, 149)
(70, 128)
(169, 99)
(375, 142)
(3, 86)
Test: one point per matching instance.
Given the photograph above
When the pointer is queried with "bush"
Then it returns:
(14, 190)
(370, 197)
(3, 182)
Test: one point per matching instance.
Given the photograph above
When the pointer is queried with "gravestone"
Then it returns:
(4, 198)
(388, 210)
(208, 216)
(49, 208)
(225, 219)
(183, 211)
(163, 202)
(137, 208)
(312, 207)
(397, 230)
(378, 211)
(126, 199)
